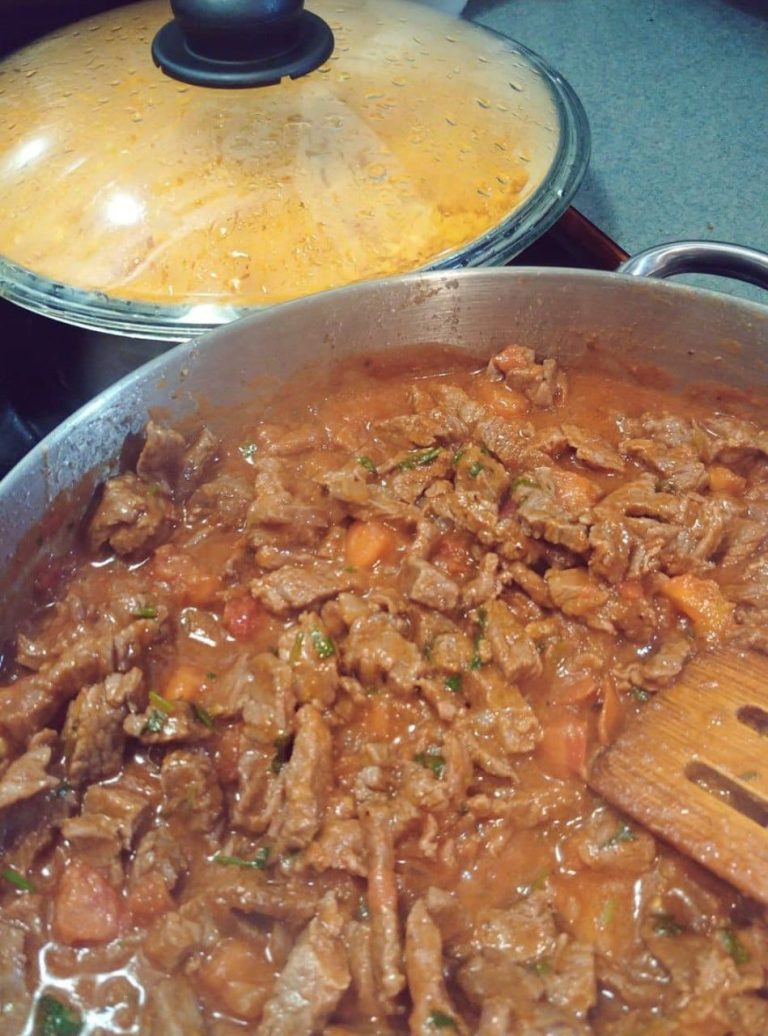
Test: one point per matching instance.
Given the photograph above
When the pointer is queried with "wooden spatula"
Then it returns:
(693, 767)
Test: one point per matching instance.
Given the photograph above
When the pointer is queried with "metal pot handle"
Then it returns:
(717, 257)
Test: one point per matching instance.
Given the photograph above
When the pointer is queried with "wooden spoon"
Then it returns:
(693, 767)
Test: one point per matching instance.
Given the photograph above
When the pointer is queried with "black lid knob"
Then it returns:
(238, 43)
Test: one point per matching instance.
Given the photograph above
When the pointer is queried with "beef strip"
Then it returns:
(386, 942)
(174, 1010)
(130, 517)
(15, 997)
(424, 970)
(33, 700)
(543, 383)
(305, 783)
(376, 652)
(93, 731)
(28, 775)
(106, 826)
(191, 791)
(425, 584)
(313, 979)
(512, 649)
(296, 587)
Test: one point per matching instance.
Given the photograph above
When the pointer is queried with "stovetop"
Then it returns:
(51, 369)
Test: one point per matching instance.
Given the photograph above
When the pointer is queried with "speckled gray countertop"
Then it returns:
(677, 97)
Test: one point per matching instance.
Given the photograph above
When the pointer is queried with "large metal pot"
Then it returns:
(693, 335)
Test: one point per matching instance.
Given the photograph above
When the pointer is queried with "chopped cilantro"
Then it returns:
(367, 463)
(420, 459)
(541, 966)
(202, 716)
(665, 924)
(162, 703)
(607, 914)
(283, 748)
(155, 722)
(453, 683)
(640, 694)
(56, 1019)
(623, 834)
(481, 618)
(523, 480)
(665, 486)
(536, 883)
(734, 946)
(211, 676)
(433, 761)
(322, 644)
(440, 1020)
(259, 861)
(295, 654)
(475, 468)
(149, 611)
(459, 454)
(248, 449)
(18, 880)
(427, 650)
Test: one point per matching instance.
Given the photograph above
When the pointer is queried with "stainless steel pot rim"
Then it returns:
(98, 311)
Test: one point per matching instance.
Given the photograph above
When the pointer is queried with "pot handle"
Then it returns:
(717, 257)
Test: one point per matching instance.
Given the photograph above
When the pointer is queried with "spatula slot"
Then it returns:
(753, 716)
(727, 790)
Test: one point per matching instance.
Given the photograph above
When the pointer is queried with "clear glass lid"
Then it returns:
(134, 202)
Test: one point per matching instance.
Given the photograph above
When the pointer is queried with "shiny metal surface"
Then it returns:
(692, 334)
(715, 257)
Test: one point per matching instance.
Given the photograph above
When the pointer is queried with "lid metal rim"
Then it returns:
(98, 311)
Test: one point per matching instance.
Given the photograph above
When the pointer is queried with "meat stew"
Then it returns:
(297, 742)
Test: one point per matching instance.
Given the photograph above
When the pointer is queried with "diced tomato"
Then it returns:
(186, 576)
(702, 601)
(149, 899)
(86, 908)
(183, 683)
(369, 542)
(242, 617)
(575, 492)
(227, 753)
(562, 751)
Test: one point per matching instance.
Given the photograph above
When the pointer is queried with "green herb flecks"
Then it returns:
(248, 449)
(537, 882)
(607, 914)
(283, 748)
(427, 650)
(149, 611)
(734, 947)
(295, 654)
(56, 1019)
(258, 863)
(432, 760)
(18, 880)
(640, 694)
(202, 716)
(623, 834)
(540, 967)
(666, 925)
(162, 703)
(322, 644)
(475, 468)
(481, 619)
(367, 463)
(523, 481)
(156, 721)
(459, 454)
(441, 1020)
(453, 683)
(420, 459)
(211, 676)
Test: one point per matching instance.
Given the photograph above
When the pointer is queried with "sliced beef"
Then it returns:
(660, 668)
(590, 449)
(499, 723)
(523, 932)
(259, 793)
(511, 647)
(161, 460)
(93, 732)
(106, 826)
(543, 516)
(579, 594)
(543, 383)
(339, 846)
(426, 584)
(191, 791)
(386, 944)
(28, 775)
(33, 700)
(294, 587)
(313, 980)
(174, 1010)
(131, 516)
(309, 651)
(15, 997)
(678, 467)
(225, 498)
(258, 687)
(569, 980)
(424, 970)
(161, 726)
(377, 653)
(158, 852)
(305, 783)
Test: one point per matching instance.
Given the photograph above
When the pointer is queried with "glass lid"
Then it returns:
(135, 202)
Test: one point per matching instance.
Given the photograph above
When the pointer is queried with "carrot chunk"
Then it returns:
(86, 908)
(369, 542)
(187, 577)
(702, 601)
(238, 977)
(184, 683)
(723, 480)
(562, 751)
(149, 899)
